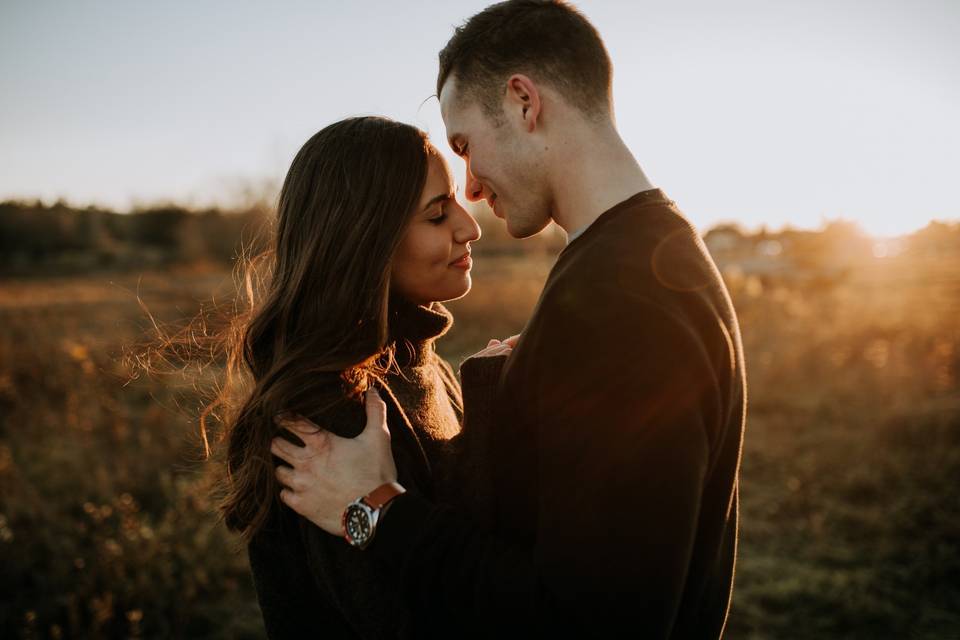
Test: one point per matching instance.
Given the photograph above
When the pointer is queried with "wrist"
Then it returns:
(362, 516)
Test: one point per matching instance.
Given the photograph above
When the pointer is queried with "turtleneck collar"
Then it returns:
(414, 327)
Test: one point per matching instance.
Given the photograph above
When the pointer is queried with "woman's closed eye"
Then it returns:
(442, 211)
(441, 214)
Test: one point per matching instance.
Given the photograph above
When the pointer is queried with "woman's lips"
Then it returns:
(463, 262)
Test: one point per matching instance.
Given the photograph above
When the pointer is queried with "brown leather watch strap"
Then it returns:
(383, 494)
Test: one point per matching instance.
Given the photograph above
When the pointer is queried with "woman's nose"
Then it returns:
(467, 229)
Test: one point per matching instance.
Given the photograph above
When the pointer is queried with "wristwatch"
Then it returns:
(361, 516)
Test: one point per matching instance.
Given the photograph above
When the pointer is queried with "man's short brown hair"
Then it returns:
(548, 40)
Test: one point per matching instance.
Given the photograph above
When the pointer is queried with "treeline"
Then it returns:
(51, 239)
(36, 238)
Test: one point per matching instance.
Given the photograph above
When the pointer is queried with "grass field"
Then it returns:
(850, 513)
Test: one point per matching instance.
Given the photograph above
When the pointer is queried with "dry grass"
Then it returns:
(850, 516)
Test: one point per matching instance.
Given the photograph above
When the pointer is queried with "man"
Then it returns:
(620, 411)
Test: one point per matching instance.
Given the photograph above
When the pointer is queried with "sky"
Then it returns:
(765, 113)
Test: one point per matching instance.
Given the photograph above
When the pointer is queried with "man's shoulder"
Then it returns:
(644, 212)
(637, 235)
(643, 272)
(648, 251)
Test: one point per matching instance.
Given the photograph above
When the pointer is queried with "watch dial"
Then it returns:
(358, 524)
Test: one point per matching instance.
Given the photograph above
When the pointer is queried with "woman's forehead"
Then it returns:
(439, 183)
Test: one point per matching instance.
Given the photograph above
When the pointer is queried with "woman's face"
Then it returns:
(428, 266)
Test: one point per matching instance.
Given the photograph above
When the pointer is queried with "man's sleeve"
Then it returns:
(621, 402)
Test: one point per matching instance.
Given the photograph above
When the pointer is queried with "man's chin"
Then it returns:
(525, 230)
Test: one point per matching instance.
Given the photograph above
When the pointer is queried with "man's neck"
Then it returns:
(602, 172)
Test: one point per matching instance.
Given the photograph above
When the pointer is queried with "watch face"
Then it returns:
(357, 524)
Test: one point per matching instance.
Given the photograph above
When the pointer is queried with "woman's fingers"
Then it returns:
(511, 341)
(496, 350)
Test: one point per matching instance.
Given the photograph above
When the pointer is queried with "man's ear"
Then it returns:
(523, 99)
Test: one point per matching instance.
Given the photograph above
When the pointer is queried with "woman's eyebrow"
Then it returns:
(435, 199)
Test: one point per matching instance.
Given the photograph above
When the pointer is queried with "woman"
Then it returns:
(370, 239)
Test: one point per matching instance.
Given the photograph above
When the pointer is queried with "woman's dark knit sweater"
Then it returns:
(311, 583)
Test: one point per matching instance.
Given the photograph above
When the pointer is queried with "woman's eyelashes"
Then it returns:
(442, 210)
(438, 219)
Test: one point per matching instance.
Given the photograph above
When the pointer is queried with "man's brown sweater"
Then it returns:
(615, 453)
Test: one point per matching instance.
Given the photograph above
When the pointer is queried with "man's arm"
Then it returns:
(622, 453)
(621, 400)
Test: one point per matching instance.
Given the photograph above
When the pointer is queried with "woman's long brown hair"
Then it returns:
(316, 318)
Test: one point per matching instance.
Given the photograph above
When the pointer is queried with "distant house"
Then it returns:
(751, 255)
(792, 255)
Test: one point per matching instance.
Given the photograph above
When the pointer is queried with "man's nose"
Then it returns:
(474, 190)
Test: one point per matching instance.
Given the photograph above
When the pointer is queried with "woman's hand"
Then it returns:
(497, 348)
(330, 472)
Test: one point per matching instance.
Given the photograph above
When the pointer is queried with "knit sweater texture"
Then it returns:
(614, 453)
(313, 584)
